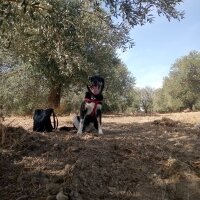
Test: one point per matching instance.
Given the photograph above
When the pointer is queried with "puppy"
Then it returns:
(90, 111)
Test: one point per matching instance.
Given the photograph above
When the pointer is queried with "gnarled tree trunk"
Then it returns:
(54, 96)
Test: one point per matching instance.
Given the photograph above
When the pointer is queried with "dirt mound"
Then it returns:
(166, 122)
(10, 135)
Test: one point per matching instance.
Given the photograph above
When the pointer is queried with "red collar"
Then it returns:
(92, 101)
(95, 106)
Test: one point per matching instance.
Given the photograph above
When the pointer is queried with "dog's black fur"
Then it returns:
(90, 111)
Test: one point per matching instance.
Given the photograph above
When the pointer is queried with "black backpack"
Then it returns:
(42, 120)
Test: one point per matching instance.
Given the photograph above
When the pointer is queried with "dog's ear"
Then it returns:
(101, 80)
(88, 87)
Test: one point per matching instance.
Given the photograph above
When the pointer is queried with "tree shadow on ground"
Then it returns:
(173, 150)
(137, 114)
(130, 161)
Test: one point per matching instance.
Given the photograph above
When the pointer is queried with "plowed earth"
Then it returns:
(137, 158)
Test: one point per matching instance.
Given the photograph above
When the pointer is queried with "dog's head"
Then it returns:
(96, 85)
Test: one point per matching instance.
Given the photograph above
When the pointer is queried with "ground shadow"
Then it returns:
(130, 161)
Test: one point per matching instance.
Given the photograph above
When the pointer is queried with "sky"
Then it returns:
(158, 45)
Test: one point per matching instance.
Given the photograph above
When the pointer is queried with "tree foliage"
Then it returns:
(21, 90)
(64, 42)
(181, 88)
(146, 99)
(119, 89)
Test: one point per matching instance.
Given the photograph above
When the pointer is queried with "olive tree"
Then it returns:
(65, 41)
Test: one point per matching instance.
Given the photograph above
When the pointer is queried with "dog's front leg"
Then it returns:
(83, 112)
(80, 128)
(99, 114)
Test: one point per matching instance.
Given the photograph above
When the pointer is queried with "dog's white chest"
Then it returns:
(92, 107)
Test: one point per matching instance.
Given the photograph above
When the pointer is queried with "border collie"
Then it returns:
(90, 111)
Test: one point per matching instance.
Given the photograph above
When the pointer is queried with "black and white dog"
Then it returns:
(90, 111)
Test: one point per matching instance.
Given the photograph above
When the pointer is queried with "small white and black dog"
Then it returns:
(90, 111)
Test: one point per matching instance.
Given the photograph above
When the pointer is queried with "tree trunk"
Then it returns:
(54, 96)
(191, 107)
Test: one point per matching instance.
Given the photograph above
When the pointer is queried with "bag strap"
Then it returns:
(55, 121)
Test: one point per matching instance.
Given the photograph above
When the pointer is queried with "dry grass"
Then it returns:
(190, 117)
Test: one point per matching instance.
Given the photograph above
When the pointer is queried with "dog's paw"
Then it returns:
(100, 132)
(80, 129)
